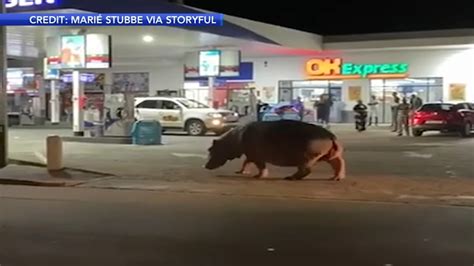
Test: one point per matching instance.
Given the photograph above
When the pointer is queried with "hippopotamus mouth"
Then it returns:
(213, 164)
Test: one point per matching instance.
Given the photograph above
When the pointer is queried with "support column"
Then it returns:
(77, 108)
(54, 104)
(41, 119)
(210, 97)
(3, 94)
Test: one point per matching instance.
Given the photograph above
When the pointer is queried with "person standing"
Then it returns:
(298, 105)
(395, 104)
(360, 115)
(315, 111)
(403, 118)
(373, 110)
(324, 109)
(415, 102)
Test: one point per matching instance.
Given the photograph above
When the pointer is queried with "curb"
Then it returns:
(17, 182)
(28, 163)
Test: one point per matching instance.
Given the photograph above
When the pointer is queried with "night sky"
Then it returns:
(351, 17)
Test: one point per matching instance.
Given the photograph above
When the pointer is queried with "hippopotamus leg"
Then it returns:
(338, 164)
(302, 172)
(305, 169)
(244, 170)
(262, 170)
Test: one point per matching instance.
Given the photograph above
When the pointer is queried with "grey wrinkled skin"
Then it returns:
(282, 143)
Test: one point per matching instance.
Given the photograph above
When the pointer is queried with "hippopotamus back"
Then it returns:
(282, 143)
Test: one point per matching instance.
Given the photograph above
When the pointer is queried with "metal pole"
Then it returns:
(77, 111)
(55, 112)
(211, 81)
(3, 94)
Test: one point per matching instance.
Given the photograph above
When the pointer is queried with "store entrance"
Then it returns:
(311, 91)
(428, 89)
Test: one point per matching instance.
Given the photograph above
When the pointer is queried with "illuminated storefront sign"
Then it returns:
(27, 3)
(335, 68)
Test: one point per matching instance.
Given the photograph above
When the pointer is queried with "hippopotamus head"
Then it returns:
(218, 155)
(224, 149)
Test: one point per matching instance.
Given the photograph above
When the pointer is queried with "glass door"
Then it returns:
(428, 89)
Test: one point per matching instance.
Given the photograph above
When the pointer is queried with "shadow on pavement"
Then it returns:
(276, 179)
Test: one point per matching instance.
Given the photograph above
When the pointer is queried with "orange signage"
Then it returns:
(335, 68)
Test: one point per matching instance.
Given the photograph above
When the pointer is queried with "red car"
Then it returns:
(444, 117)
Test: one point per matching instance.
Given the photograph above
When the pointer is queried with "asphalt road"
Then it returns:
(40, 226)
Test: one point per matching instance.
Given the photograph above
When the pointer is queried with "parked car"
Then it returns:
(444, 117)
(185, 114)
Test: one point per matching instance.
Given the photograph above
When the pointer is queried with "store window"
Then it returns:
(309, 90)
(428, 89)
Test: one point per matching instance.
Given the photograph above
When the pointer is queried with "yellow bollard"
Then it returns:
(54, 153)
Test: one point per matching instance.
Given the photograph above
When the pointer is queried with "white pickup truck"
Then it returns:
(185, 114)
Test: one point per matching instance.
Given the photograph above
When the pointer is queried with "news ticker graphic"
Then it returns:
(185, 20)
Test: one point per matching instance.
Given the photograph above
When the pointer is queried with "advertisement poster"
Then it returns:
(98, 52)
(191, 65)
(131, 82)
(355, 93)
(53, 48)
(230, 63)
(73, 51)
(457, 92)
(209, 63)
(269, 95)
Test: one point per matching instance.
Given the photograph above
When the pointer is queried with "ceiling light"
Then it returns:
(148, 38)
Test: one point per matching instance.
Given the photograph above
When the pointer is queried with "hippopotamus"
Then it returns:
(285, 143)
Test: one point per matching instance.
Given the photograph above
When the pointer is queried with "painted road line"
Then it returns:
(41, 157)
(190, 155)
(418, 155)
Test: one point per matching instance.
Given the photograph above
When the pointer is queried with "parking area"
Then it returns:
(376, 153)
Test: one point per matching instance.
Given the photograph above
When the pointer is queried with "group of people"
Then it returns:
(401, 108)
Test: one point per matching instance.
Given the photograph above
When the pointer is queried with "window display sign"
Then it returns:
(335, 68)
(73, 51)
(209, 63)
(131, 82)
(457, 92)
(355, 93)
(98, 47)
(50, 73)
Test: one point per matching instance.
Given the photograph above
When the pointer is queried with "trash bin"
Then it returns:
(146, 133)
(97, 130)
